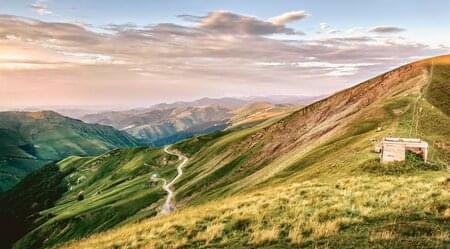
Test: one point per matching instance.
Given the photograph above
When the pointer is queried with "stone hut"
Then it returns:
(395, 148)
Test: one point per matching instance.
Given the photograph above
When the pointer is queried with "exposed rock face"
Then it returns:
(326, 117)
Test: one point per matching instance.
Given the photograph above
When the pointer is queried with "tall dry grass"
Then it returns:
(299, 213)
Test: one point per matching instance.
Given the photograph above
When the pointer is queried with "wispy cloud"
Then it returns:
(326, 68)
(386, 29)
(324, 26)
(40, 7)
(327, 29)
(288, 17)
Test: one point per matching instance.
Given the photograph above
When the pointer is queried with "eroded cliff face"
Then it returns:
(330, 116)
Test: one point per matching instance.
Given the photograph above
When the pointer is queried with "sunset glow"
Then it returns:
(141, 56)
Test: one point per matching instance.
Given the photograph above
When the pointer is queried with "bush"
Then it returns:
(412, 163)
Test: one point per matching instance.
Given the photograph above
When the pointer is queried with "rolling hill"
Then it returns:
(307, 179)
(29, 140)
(82, 195)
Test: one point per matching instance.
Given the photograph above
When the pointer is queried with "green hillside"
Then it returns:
(82, 195)
(29, 140)
(312, 180)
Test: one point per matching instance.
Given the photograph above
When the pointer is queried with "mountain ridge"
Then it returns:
(168, 123)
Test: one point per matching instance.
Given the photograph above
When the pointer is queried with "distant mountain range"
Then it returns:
(234, 102)
(167, 123)
(228, 102)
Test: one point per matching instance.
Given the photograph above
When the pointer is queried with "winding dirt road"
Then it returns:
(169, 206)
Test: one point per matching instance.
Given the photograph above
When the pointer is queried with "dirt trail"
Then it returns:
(169, 206)
(416, 110)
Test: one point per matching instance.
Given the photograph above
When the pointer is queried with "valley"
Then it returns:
(308, 178)
(31, 139)
(84, 195)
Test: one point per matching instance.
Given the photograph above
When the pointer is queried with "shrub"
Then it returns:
(412, 163)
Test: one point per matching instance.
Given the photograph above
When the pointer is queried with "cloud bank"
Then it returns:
(225, 22)
(220, 53)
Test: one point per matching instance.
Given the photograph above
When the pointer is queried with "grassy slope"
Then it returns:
(238, 160)
(369, 211)
(331, 193)
(115, 188)
(258, 112)
(29, 140)
(211, 164)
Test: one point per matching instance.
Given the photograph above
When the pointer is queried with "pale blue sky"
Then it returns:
(427, 21)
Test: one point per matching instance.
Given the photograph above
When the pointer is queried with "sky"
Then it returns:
(138, 53)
